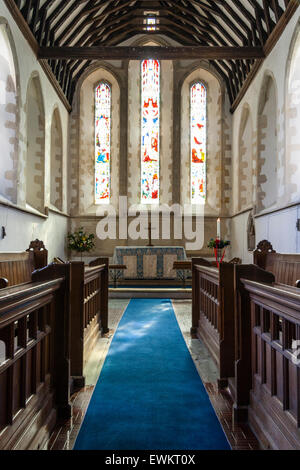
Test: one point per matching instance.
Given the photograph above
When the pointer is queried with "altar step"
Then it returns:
(150, 292)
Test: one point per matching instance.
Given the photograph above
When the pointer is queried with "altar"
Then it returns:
(154, 262)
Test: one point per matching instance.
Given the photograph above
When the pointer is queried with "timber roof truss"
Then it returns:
(83, 24)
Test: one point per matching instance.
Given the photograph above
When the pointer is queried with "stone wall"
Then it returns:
(35, 143)
(9, 116)
(176, 77)
(56, 175)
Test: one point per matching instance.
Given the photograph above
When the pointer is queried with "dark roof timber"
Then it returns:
(234, 35)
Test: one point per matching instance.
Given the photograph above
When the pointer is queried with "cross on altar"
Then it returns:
(149, 234)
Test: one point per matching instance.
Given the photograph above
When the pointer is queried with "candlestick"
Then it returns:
(219, 229)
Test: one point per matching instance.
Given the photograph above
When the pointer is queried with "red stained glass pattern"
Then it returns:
(150, 131)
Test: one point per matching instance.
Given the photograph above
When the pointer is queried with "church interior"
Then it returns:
(150, 225)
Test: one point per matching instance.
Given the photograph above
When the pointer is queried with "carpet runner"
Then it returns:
(149, 395)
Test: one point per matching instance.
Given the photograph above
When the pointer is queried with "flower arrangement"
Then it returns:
(219, 246)
(81, 242)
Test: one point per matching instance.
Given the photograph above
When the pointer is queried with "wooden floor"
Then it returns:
(240, 437)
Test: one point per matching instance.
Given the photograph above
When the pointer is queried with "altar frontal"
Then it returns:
(149, 262)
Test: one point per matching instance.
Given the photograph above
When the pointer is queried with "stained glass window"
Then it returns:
(198, 142)
(151, 22)
(102, 143)
(150, 131)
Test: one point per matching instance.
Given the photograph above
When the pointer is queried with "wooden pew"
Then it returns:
(16, 268)
(34, 359)
(274, 404)
(241, 381)
(89, 313)
(213, 314)
(284, 266)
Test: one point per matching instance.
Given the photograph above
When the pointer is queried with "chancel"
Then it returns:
(149, 226)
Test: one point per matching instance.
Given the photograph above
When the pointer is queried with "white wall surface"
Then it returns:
(22, 227)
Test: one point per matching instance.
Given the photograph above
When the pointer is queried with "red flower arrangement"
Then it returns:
(219, 246)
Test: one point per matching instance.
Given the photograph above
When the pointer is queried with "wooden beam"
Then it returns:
(144, 52)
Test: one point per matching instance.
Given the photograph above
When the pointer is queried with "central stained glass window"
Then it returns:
(150, 131)
(198, 142)
(102, 143)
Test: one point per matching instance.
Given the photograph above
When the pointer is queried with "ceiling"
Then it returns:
(84, 23)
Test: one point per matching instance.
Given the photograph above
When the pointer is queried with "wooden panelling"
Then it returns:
(89, 313)
(17, 267)
(274, 407)
(213, 313)
(34, 379)
(284, 266)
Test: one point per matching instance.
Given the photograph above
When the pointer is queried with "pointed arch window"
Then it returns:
(150, 131)
(102, 143)
(198, 119)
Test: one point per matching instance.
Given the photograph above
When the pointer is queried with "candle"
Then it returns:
(219, 229)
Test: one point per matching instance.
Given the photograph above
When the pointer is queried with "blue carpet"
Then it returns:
(149, 395)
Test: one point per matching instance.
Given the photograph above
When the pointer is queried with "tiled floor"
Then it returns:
(240, 437)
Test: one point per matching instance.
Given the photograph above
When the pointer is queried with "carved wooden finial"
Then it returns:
(36, 245)
(265, 247)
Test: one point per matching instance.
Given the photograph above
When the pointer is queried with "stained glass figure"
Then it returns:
(198, 142)
(150, 131)
(102, 143)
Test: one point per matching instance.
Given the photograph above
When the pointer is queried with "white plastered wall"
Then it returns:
(21, 226)
(278, 223)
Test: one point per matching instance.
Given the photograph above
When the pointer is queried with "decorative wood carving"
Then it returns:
(40, 253)
(265, 247)
(36, 245)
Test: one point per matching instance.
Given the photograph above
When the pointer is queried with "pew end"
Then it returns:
(285, 266)
(17, 267)
(240, 384)
(213, 314)
(89, 312)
